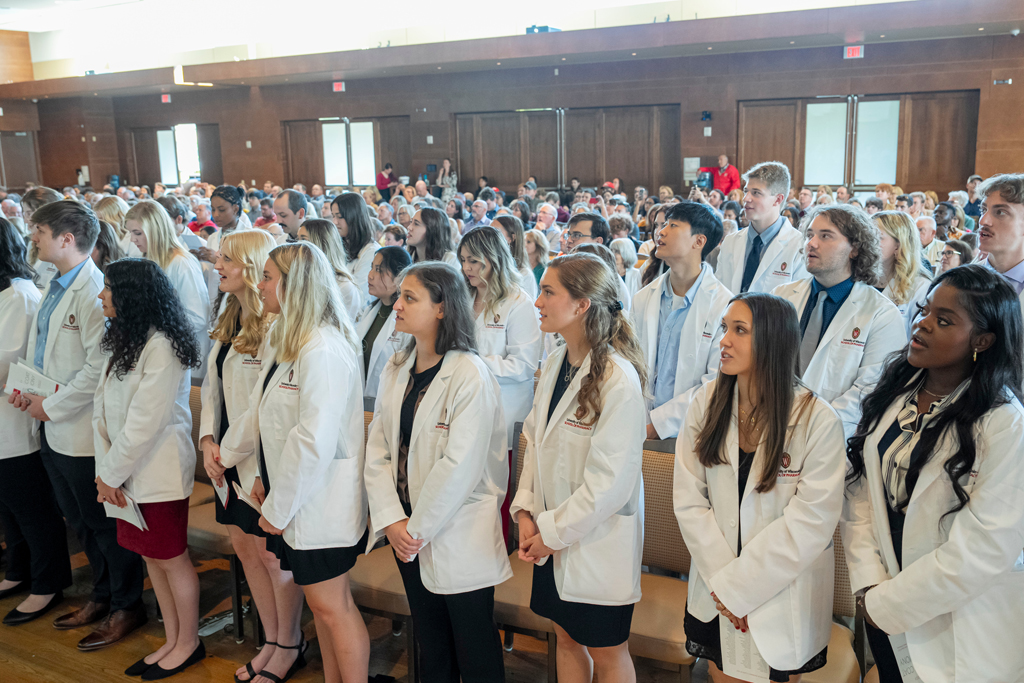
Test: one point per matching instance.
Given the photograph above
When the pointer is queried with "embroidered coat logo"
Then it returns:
(856, 332)
(71, 319)
(783, 266)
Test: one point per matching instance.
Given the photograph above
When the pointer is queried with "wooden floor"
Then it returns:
(38, 653)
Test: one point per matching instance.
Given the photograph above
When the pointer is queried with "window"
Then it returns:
(178, 154)
(825, 160)
(349, 146)
(335, 153)
(878, 130)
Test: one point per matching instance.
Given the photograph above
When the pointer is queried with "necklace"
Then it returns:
(570, 370)
(750, 418)
(937, 397)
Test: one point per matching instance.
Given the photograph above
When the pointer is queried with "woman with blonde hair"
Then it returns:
(906, 280)
(153, 234)
(665, 193)
(304, 424)
(235, 363)
(580, 498)
(511, 228)
(537, 251)
(323, 234)
(113, 209)
(823, 191)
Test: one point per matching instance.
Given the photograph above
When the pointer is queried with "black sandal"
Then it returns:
(250, 670)
(299, 663)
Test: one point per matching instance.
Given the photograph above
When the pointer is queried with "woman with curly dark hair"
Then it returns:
(144, 452)
(932, 521)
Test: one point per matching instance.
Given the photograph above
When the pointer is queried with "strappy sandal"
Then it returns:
(253, 673)
(299, 663)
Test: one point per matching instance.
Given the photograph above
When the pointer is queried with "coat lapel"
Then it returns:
(428, 406)
(569, 397)
(60, 313)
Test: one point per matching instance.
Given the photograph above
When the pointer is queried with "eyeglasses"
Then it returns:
(577, 236)
(950, 252)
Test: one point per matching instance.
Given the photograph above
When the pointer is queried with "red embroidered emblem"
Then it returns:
(785, 461)
(783, 267)
(856, 332)
(71, 319)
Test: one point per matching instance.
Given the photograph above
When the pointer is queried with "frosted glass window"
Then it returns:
(335, 154)
(168, 157)
(364, 164)
(878, 132)
(825, 148)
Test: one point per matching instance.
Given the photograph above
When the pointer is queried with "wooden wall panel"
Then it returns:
(465, 153)
(305, 153)
(942, 129)
(15, 57)
(668, 167)
(100, 139)
(20, 159)
(541, 149)
(62, 147)
(584, 145)
(395, 142)
(500, 149)
(146, 157)
(211, 169)
(768, 132)
(628, 144)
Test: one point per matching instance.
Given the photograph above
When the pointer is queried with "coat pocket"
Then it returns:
(469, 552)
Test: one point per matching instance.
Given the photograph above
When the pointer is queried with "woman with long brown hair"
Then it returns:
(580, 498)
(758, 494)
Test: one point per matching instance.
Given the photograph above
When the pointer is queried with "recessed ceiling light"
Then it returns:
(634, 54)
(438, 68)
(792, 42)
(982, 28)
(499, 63)
(563, 59)
(709, 47)
(882, 36)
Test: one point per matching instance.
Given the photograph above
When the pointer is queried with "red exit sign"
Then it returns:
(854, 52)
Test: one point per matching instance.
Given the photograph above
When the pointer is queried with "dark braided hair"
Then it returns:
(144, 298)
(993, 306)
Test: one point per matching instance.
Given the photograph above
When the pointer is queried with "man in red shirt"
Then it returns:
(267, 214)
(727, 177)
(202, 218)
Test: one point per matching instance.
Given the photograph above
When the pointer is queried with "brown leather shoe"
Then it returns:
(114, 628)
(92, 612)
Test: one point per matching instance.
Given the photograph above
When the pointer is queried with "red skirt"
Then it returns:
(168, 530)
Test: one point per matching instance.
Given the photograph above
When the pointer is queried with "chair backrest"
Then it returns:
(663, 542)
(519, 439)
(195, 403)
(367, 419)
(844, 604)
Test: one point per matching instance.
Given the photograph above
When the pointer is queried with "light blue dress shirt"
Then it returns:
(766, 237)
(670, 331)
(58, 287)
(1015, 275)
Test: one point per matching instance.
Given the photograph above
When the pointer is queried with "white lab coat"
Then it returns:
(233, 390)
(18, 306)
(186, 275)
(128, 247)
(45, 271)
(388, 342)
(528, 282)
(918, 298)
(351, 298)
(781, 263)
(452, 260)
(851, 353)
(509, 341)
(699, 354)
(310, 420)
(360, 268)
(783, 578)
(960, 596)
(457, 472)
(143, 426)
(583, 484)
(73, 357)
(632, 280)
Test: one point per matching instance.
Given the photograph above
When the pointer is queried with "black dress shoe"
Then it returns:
(16, 617)
(157, 672)
(14, 590)
(138, 668)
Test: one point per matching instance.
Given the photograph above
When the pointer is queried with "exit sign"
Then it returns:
(165, 98)
(338, 86)
(854, 52)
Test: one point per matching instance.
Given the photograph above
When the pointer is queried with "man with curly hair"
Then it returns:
(64, 345)
(847, 327)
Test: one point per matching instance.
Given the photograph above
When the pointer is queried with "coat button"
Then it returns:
(732, 523)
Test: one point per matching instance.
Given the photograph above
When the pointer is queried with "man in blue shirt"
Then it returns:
(64, 344)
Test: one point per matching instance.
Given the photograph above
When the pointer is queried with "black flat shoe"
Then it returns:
(16, 617)
(138, 668)
(14, 590)
(157, 672)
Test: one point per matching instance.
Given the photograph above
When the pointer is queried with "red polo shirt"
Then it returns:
(727, 180)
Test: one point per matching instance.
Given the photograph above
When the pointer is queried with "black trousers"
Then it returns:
(385, 193)
(885, 658)
(37, 545)
(474, 654)
(116, 572)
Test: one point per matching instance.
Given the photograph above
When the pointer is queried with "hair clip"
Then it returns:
(615, 307)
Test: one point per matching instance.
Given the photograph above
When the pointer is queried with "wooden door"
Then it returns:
(210, 168)
(770, 131)
(395, 144)
(145, 157)
(938, 136)
(304, 153)
(20, 158)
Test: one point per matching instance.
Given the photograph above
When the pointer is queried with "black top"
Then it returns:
(746, 461)
(221, 357)
(420, 381)
(561, 384)
(380, 317)
(897, 518)
(263, 464)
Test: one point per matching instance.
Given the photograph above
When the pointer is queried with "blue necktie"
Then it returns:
(753, 261)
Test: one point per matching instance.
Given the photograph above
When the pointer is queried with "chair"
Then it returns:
(845, 651)
(376, 583)
(206, 534)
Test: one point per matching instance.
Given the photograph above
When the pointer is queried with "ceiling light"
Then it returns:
(563, 59)
(709, 47)
(499, 63)
(882, 36)
(982, 28)
(792, 42)
(634, 54)
(438, 68)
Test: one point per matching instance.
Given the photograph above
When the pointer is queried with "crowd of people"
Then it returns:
(821, 361)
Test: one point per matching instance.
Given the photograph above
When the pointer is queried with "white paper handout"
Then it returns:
(26, 379)
(243, 496)
(129, 513)
(222, 491)
(902, 652)
(740, 658)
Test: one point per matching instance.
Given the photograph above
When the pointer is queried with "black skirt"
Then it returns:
(589, 625)
(313, 566)
(237, 513)
(705, 641)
